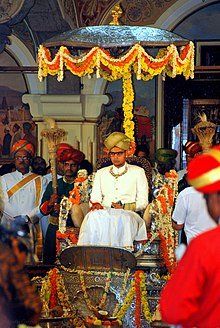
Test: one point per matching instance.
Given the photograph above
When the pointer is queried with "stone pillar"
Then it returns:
(77, 114)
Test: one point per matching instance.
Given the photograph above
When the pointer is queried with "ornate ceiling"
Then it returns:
(34, 21)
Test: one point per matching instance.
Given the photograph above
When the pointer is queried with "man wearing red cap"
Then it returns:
(71, 159)
(197, 277)
(60, 148)
(21, 190)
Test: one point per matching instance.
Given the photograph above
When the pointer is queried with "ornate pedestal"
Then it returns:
(101, 278)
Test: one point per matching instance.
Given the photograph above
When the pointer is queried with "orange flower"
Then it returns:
(162, 200)
(75, 195)
(72, 236)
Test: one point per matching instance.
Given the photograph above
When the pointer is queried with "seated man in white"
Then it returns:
(119, 191)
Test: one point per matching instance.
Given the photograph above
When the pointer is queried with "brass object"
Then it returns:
(53, 137)
(116, 13)
(205, 131)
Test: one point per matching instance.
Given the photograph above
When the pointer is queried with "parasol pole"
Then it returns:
(53, 137)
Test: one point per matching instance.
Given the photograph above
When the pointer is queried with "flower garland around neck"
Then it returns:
(117, 175)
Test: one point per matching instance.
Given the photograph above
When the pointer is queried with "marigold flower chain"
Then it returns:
(136, 60)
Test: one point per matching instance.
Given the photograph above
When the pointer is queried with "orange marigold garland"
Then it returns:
(99, 61)
(70, 237)
(53, 295)
(137, 299)
(161, 211)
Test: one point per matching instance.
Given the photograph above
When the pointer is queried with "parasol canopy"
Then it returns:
(132, 58)
(108, 36)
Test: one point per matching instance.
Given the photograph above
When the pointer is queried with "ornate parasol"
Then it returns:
(116, 52)
(109, 36)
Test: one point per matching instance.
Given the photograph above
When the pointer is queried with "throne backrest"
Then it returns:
(134, 160)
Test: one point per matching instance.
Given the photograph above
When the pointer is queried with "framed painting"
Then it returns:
(15, 117)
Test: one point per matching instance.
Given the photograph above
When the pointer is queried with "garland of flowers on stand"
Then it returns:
(99, 61)
(161, 209)
(86, 296)
(53, 292)
(79, 194)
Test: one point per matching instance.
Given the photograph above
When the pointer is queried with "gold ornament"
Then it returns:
(205, 131)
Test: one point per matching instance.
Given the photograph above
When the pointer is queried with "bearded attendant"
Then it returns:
(21, 190)
(119, 191)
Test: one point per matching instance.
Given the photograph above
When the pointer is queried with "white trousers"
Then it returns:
(112, 227)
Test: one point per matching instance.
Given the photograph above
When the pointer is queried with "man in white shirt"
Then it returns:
(191, 213)
(21, 190)
(119, 191)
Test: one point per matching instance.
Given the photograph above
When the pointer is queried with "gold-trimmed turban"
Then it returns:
(117, 139)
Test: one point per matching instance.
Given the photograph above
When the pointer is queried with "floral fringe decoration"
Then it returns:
(99, 61)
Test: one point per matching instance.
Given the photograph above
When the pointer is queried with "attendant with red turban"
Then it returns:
(191, 297)
(71, 159)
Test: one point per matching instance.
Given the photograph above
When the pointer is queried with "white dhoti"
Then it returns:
(112, 227)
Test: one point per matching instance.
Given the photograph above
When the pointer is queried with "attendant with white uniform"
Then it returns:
(21, 190)
(191, 213)
(119, 191)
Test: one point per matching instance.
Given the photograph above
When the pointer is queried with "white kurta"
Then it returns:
(116, 227)
(22, 202)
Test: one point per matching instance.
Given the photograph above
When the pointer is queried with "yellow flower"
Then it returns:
(136, 60)
(97, 322)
